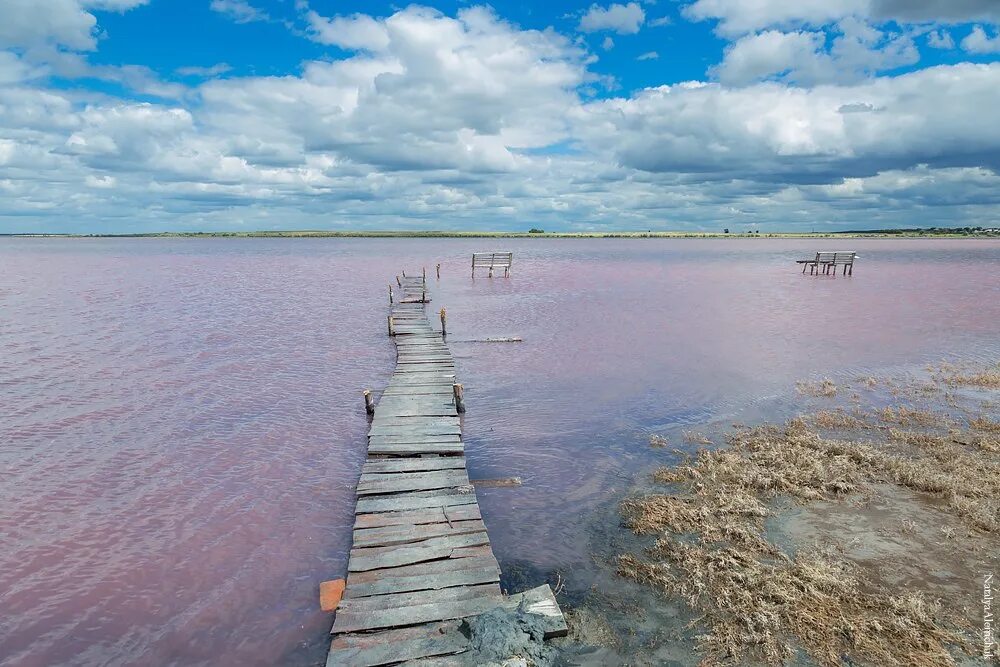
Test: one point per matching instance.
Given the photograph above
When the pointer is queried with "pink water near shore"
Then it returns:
(182, 423)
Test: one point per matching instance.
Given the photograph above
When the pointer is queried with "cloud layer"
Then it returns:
(441, 121)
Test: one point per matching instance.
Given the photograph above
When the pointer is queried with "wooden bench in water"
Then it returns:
(421, 559)
(826, 261)
(491, 260)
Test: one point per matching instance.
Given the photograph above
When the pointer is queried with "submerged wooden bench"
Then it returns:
(421, 559)
(830, 260)
(492, 260)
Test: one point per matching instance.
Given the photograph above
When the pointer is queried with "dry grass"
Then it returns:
(836, 420)
(985, 424)
(696, 438)
(905, 416)
(986, 380)
(753, 605)
(824, 387)
(953, 375)
(760, 604)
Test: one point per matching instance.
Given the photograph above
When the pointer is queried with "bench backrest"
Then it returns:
(495, 259)
(838, 257)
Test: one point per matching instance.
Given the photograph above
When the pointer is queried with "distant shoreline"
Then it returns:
(903, 233)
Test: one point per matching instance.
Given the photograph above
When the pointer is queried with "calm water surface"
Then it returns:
(182, 423)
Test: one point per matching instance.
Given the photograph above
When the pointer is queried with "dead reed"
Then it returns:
(762, 604)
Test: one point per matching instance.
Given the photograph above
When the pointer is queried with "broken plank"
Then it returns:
(374, 466)
(414, 448)
(428, 569)
(412, 598)
(416, 481)
(417, 516)
(391, 584)
(435, 548)
(395, 535)
(389, 618)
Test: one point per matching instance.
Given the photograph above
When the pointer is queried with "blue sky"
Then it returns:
(154, 115)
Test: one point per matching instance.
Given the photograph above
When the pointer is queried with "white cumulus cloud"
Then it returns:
(622, 19)
(240, 11)
(355, 32)
(979, 42)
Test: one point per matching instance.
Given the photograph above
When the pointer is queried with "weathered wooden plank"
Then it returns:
(388, 584)
(396, 535)
(390, 646)
(420, 481)
(414, 448)
(413, 439)
(429, 569)
(438, 408)
(391, 480)
(402, 435)
(415, 406)
(435, 548)
(539, 602)
(412, 501)
(419, 429)
(412, 598)
(417, 516)
(389, 618)
(388, 466)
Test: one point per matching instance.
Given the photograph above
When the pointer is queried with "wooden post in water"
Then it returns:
(444, 320)
(459, 397)
(423, 273)
(392, 327)
(439, 271)
(423, 295)
(404, 274)
(390, 295)
(399, 282)
(369, 402)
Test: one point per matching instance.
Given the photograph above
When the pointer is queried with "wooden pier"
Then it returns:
(421, 559)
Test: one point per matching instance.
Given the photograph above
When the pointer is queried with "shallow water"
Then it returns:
(183, 424)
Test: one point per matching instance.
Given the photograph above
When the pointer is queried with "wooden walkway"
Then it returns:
(421, 559)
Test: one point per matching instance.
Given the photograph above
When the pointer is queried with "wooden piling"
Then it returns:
(439, 271)
(399, 282)
(459, 397)
(444, 325)
(392, 326)
(390, 295)
(423, 273)
(369, 402)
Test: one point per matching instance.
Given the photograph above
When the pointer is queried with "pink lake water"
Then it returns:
(182, 424)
